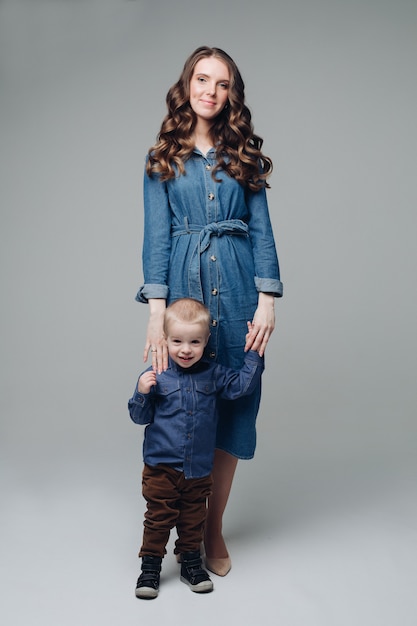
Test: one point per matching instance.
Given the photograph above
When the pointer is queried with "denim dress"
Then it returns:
(212, 241)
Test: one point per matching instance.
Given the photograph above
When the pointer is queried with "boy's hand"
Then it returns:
(146, 381)
(250, 330)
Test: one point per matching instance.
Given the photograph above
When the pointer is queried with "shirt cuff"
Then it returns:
(150, 290)
(252, 355)
(139, 398)
(269, 285)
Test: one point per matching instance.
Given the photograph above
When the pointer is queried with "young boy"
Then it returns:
(179, 408)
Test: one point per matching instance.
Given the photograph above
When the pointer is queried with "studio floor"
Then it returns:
(335, 553)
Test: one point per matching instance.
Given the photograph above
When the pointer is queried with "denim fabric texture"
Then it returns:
(212, 241)
(180, 412)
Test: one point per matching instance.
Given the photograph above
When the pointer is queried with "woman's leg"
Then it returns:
(223, 472)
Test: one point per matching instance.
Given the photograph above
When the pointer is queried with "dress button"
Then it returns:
(212, 355)
(213, 258)
(208, 166)
(214, 292)
(211, 196)
(214, 322)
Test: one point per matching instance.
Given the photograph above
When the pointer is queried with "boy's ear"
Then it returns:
(208, 337)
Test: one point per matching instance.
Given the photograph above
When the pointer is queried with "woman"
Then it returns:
(208, 236)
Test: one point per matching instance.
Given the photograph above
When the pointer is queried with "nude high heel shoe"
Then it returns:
(221, 567)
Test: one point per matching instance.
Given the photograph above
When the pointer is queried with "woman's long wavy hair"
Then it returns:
(238, 148)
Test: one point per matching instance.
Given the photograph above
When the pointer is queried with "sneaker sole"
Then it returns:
(146, 593)
(204, 587)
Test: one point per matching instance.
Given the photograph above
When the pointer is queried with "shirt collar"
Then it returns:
(200, 366)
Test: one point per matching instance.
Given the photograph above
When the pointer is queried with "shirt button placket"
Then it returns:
(210, 205)
(213, 303)
(189, 410)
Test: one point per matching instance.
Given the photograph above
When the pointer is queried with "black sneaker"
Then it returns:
(193, 574)
(147, 586)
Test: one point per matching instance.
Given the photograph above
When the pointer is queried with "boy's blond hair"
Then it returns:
(189, 311)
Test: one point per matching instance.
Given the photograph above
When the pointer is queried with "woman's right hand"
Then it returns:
(156, 343)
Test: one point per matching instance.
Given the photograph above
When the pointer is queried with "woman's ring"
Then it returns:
(154, 350)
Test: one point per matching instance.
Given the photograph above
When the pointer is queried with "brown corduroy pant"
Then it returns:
(173, 501)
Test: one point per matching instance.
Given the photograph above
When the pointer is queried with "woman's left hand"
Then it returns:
(262, 325)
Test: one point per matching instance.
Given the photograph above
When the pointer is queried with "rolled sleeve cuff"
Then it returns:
(150, 290)
(269, 285)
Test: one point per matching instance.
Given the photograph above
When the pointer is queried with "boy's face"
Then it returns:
(186, 342)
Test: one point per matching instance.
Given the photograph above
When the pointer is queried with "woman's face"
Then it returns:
(209, 88)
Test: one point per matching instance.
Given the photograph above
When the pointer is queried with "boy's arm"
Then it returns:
(140, 405)
(233, 384)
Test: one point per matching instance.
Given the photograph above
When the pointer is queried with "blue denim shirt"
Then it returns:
(181, 413)
(212, 241)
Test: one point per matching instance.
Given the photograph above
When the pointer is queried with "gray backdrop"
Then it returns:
(327, 509)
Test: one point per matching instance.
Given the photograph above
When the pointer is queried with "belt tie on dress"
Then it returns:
(214, 229)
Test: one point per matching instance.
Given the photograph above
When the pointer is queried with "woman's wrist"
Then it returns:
(266, 298)
(157, 306)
